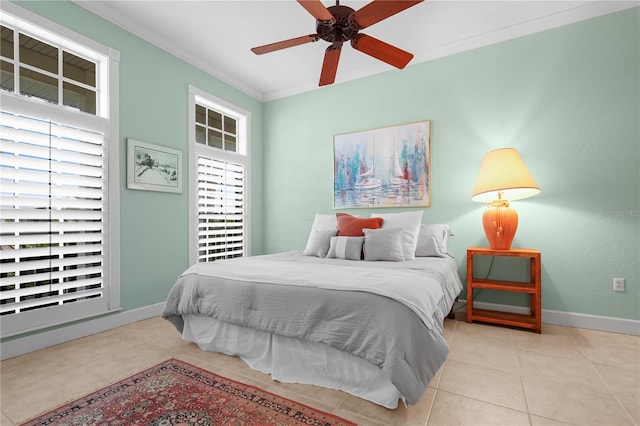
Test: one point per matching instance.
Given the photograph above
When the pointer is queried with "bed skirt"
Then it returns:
(291, 360)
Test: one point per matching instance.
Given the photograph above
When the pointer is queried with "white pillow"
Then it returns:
(383, 244)
(346, 248)
(318, 244)
(428, 247)
(410, 222)
(324, 221)
(321, 222)
(433, 240)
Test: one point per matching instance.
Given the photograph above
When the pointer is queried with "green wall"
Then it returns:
(567, 99)
(154, 108)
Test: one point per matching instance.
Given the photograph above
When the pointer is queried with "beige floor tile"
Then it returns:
(433, 383)
(82, 351)
(359, 420)
(621, 381)
(574, 405)
(542, 421)
(4, 421)
(451, 409)
(127, 362)
(572, 372)
(632, 405)
(624, 384)
(413, 415)
(587, 338)
(23, 401)
(494, 354)
(617, 356)
(490, 385)
(449, 329)
(483, 333)
(38, 364)
(554, 340)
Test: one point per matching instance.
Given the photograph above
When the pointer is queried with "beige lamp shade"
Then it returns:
(503, 175)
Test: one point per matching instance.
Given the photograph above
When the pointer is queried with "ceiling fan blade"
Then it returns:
(285, 44)
(317, 9)
(381, 50)
(330, 65)
(378, 10)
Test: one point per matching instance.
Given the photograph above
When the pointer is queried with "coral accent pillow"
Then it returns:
(351, 226)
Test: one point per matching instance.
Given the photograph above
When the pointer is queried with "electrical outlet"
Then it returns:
(618, 284)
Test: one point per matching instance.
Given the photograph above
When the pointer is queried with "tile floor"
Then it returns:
(493, 376)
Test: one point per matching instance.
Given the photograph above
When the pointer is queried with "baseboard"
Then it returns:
(592, 322)
(23, 345)
(34, 342)
(572, 319)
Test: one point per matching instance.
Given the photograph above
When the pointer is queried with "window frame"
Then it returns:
(243, 156)
(225, 135)
(107, 107)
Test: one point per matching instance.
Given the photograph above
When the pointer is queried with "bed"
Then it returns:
(370, 328)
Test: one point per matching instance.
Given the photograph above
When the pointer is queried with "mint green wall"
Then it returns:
(154, 108)
(567, 99)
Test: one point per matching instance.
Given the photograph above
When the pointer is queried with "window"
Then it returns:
(218, 162)
(34, 68)
(215, 129)
(59, 175)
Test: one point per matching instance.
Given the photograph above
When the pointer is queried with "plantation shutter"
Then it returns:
(221, 203)
(52, 192)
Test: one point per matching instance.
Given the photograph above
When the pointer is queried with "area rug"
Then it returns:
(177, 393)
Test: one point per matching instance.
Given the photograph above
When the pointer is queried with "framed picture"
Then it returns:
(386, 167)
(153, 167)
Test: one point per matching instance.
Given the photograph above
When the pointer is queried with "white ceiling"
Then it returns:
(216, 36)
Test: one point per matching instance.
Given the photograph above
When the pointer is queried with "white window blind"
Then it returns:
(220, 172)
(59, 175)
(52, 211)
(221, 209)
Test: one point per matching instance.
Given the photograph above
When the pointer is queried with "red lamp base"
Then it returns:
(500, 223)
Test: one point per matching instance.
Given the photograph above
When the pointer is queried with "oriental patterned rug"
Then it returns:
(177, 393)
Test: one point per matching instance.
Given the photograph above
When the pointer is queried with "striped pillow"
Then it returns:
(349, 248)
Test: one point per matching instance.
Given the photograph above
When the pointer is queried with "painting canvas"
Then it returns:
(153, 167)
(386, 167)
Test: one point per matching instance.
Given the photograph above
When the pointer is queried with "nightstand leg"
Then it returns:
(469, 288)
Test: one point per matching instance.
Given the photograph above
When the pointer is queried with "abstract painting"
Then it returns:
(385, 167)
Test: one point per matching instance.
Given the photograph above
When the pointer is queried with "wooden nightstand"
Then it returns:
(533, 288)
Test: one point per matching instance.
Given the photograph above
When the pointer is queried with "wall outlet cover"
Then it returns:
(618, 284)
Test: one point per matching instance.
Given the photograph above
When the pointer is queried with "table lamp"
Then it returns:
(503, 177)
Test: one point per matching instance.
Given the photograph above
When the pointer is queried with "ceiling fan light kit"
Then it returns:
(338, 24)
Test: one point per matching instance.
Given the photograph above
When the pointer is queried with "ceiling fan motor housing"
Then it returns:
(343, 29)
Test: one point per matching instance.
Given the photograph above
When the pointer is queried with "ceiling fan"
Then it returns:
(337, 24)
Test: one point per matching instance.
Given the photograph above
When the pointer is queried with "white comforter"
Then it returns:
(412, 284)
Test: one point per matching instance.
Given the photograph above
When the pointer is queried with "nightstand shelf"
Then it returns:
(533, 321)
